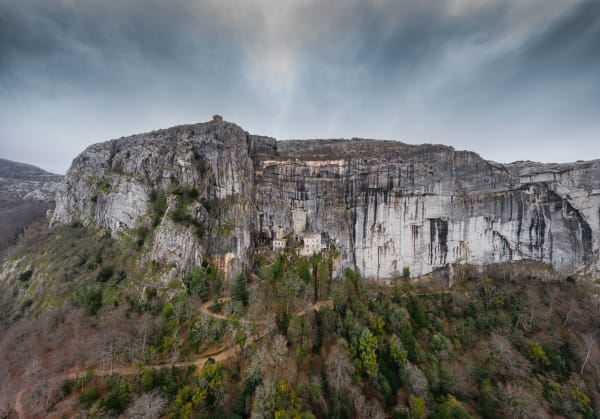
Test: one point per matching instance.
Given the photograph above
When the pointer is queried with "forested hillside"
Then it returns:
(97, 335)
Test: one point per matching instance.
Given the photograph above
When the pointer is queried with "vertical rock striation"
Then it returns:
(116, 184)
(384, 204)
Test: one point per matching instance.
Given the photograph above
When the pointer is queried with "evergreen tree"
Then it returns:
(240, 293)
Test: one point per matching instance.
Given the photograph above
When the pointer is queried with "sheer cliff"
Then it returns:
(213, 191)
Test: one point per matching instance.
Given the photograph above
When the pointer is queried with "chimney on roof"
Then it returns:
(217, 118)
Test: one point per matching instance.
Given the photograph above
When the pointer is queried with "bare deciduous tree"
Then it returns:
(519, 402)
(40, 398)
(513, 362)
(148, 406)
(339, 369)
(264, 400)
(33, 367)
(589, 348)
(279, 350)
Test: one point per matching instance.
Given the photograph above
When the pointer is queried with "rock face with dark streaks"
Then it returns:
(390, 205)
(384, 205)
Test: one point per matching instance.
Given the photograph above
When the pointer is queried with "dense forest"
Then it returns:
(98, 334)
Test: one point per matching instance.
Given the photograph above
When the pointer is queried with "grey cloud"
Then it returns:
(563, 53)
(553, 76)
(104, 44)
(468, 73)
(569, 44)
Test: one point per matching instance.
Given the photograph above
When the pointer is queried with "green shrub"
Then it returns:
(240, 293)
(351, 275)
(283, 322)
(208, 206)
(303, 270)
(26, 275)
(89, 396)
(92, 300)
(192, 193)
(200, 230)
(151, 293)
(417, 313)
(147, 380)
(159, 206)
(189, 194)
(239, 404)
(450, 408)
(105, 274)
(67, 388)
(277, 268)
(364, 352)
(537, 355)
(226, 228)
(188, 399)
(142, 233)
(439, 346)
(118, 398)
(166, 311)
(181, 215)
(197, 282)
(582, 403)
(417, 407)
(103, 186)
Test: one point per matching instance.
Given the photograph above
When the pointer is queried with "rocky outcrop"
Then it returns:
(204, 171)
(384, 205)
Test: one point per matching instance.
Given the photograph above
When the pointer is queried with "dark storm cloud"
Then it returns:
(104, 44)
(76, 72)
(541, 97)
(410, 42)
(495, 76)
(506, 88)
(562, 54)
(569, 46)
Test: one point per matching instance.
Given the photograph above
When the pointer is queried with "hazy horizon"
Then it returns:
(286, 139)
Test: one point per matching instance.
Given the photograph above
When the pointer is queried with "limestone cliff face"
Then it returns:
(383, 204)
(391, 205)
(114, 184)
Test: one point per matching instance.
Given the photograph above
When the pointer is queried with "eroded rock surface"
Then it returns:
(116, 184)
(383, 204)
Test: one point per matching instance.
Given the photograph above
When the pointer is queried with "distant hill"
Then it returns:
(26, 194)
(14, 170)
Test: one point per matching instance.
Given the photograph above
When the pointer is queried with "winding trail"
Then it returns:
(205, 308)
(222, 354)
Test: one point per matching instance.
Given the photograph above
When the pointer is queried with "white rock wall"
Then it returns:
(384, 204)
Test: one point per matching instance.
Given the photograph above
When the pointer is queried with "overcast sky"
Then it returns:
(509, 79)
